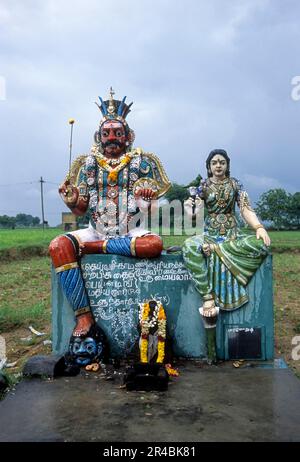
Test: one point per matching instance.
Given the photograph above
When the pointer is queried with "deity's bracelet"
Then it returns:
(71, 204)
(256, 227)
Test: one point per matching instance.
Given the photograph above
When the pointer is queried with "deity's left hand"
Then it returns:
(146, 194)
(261, 233)
(193, 206)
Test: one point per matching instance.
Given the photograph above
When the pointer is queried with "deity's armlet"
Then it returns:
(152, 169)
(242, 197)
(81, 206)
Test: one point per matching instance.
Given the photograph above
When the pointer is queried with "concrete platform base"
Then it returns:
(216, 403)
(116, 285)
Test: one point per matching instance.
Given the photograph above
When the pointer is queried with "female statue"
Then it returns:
(223, 259)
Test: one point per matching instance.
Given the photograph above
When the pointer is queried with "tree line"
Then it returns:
(21, 220)
(280, 208)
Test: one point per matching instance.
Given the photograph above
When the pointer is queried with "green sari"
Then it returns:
(235, 257)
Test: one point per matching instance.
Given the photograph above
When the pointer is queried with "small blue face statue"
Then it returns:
(85, 350)
(89, 349)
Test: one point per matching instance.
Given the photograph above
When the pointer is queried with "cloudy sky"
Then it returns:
(202, 74)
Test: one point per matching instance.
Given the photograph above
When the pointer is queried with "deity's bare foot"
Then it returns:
(83, 324)
(209, 309)
(94, 367)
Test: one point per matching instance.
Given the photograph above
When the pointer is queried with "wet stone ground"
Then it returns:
(216, 403)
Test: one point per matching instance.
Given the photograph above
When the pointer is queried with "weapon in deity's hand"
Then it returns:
(71, 122)
(67, 191)
(193, 194)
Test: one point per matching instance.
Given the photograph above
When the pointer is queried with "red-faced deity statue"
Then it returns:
(113, 138)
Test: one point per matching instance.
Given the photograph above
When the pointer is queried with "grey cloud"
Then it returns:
(201, 75)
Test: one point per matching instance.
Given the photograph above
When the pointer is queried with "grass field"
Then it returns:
(25, 294)
(10, 238)
(36, 239)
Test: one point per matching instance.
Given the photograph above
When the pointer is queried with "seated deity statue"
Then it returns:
(116, 185)
(223, 259)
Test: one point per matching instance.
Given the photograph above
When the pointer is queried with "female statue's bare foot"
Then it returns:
(209, 309)
(83, 324)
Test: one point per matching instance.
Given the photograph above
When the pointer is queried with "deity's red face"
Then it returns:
(113, 138)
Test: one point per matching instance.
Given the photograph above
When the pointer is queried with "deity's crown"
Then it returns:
(113, 108)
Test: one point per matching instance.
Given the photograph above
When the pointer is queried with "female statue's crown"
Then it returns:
(113, 108)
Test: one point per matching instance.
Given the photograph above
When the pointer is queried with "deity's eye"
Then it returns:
(76, 347)
(104, 133)
(119, 133)
(90, 348)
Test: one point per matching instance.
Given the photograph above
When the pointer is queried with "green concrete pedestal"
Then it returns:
(116, 285)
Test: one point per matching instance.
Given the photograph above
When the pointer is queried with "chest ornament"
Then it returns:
(113, 169)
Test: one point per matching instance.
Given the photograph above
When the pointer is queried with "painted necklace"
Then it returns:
(113, 171)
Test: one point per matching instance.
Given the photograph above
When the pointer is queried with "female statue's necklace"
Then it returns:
(222, 193)
(218, 182)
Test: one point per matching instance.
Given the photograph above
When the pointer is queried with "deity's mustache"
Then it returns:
(112, 143)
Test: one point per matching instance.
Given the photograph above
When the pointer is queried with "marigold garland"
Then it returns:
(171, 370)
(113, 172)
(159, 318)
(161, 351)
(144, 350)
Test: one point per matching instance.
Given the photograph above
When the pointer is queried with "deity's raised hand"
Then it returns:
(192, 206)
(68, 193)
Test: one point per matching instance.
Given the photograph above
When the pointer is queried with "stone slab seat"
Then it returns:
(116, 285)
